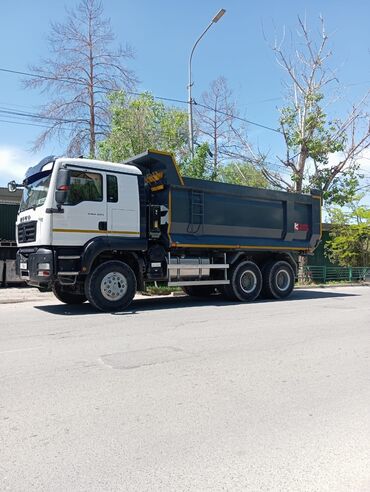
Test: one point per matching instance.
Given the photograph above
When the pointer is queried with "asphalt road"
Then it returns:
(177, 395)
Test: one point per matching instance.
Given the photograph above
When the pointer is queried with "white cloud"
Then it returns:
(335, 158)
(363, 160)
(14, 162)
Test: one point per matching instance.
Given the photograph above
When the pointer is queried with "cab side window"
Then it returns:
(112, 188)
(84, 187)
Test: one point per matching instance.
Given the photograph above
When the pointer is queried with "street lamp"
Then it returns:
(215, 19)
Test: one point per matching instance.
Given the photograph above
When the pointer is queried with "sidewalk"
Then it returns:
(10, 295)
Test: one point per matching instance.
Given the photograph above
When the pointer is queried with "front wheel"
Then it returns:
(111, 286)
(66, 295)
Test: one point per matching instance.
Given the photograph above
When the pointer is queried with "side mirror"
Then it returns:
(62, 187)
(12, 186)
(60, 197)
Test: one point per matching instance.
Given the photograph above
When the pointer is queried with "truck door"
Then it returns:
(123, 211)
(85, 211)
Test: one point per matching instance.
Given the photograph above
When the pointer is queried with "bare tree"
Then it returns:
(215, 115)
(226, 133)
(309, 135)
(81, 70)
(240, 149)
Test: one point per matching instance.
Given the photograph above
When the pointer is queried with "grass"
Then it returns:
(160, 289)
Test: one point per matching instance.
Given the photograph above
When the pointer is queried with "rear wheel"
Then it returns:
(111, 286)
(199, 290)
(65, 294)
(245, 282)
(278, 280)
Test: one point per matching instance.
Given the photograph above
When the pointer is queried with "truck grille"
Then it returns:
(27, 232)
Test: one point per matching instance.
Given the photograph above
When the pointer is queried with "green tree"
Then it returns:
(349, 243)
(240, 173)
(311, 136)
(200, 166)
(245, 174)
(143, 123)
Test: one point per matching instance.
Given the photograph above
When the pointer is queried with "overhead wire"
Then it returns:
(41, 117)
(136, 93)
(273, 166)
(23, 123)
(29, 115)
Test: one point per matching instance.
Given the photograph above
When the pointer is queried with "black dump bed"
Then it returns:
(206, 214)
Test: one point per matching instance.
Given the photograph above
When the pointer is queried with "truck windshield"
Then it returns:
(35, 190)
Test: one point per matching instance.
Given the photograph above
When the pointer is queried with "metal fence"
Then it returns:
(328, 273)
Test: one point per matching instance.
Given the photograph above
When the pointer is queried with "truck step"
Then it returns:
(197, 266)
(184, 283)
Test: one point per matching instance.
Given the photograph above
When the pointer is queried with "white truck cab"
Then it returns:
(101, 198)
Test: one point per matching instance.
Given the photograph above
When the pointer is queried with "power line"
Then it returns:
(161, 98)
(28, 124)
(134, 93)
(29, 115)
(272, 166)
(260, 101)
(18, 114)
(205, 106)
(3, 103)
(358, 83)
(38, 116)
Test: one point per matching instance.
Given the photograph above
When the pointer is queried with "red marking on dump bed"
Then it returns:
(300, 227)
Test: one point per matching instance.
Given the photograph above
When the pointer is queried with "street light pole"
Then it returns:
(215, 19)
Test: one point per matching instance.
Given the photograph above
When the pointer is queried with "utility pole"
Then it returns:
(215, 19)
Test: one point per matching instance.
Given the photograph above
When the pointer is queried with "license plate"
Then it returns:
(23, 266)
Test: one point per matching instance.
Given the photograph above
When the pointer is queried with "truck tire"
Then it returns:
(111, 286)
(68, 297)
(245, 282)
(199, 290)
(278, 280)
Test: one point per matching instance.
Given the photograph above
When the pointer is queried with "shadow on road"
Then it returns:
(151, 304)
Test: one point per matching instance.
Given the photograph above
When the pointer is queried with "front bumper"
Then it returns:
(35, 265)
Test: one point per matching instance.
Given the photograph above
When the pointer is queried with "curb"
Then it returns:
(332, 286)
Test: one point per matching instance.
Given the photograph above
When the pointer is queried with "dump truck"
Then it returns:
(100, 231)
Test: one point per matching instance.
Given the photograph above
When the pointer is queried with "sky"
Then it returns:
(162, 33)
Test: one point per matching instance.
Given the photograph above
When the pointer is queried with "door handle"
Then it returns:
(102, 226)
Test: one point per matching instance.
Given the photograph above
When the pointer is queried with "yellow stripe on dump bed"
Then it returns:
(94, 231)
(232, 246)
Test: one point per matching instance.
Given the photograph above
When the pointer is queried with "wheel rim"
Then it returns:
(283, 280)
(248, 281)
(113, 286)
